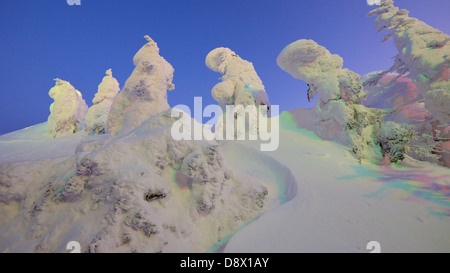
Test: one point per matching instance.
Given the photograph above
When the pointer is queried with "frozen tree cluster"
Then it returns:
(97, 114)
(140, 190)
(68, 110)
(143, 193)
(424, 56)
(144, 93)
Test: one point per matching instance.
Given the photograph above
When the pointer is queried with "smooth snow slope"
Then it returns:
(35, 143)
(341, 205)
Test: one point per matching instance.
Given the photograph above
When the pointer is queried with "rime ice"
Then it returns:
(423, 54)
(97, 114)
(338, 114)
(240, 84)
(145, 91)
(67, 111)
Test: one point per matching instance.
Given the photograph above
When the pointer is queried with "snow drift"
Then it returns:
(141, 193)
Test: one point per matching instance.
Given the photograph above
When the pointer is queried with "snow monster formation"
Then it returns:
(97, 114)
(68, 110)
(144, 93)
(142, 191)
(240, 84)
(423, 54)
(241, 88)
(338, 114)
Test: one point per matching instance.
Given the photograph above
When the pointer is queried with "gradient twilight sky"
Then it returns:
(43, 40)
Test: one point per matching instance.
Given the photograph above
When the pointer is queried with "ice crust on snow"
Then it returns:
(97, 115)
(68, 110)
(144, 93)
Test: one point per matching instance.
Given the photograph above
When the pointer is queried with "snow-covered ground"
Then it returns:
(125, 184)
(322, 199)
(341, 205)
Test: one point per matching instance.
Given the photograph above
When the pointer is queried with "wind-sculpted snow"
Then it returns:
(97, 114)
(67, 111)
(322, 71)
(144, 93)
(143, 192)
(423, 54)
(240, 84)
(338, 114)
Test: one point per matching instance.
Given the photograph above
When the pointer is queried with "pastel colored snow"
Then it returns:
(423, 54)
(338, 114)
(423, 51)
(142, 193)
(369, 162)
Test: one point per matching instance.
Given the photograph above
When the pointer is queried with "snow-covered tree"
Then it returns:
(423, 54)
(394, 140)
(322, 71)
(144, 93)
(68, 110)
(97, 114)
(241, 87)
(240, 84)
(338, 114)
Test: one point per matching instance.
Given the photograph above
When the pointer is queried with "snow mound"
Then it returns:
(143, 192)
(341, 205)
(398, 93)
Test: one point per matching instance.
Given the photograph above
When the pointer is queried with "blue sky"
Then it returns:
(43, 40)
